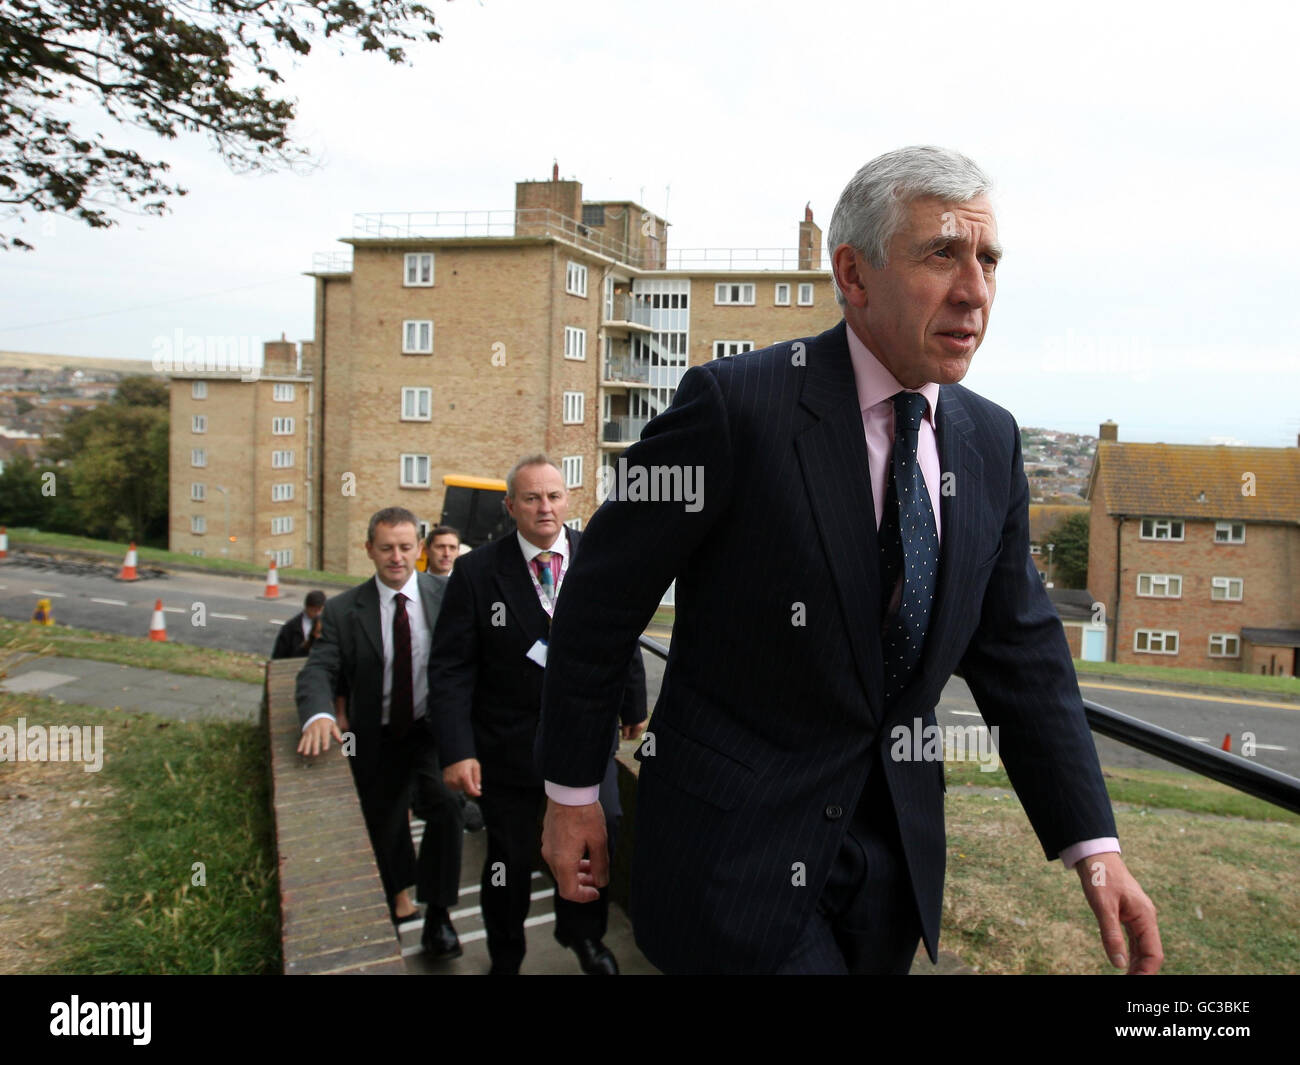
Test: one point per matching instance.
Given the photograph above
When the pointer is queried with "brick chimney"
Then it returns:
(563, 197)
(810, 241)
(1109, 430)
(280, 356)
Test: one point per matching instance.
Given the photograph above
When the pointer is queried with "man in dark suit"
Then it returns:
(862, 534)
(485, 682)
(294, 639)
(374, 646)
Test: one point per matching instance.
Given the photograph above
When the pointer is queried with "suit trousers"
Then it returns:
(408, 776)
(511, 816)
(866, 921)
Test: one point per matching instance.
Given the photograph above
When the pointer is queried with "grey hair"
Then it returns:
(528, 460)
(872, 205)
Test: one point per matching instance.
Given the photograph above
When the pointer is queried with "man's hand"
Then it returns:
(569, 834)
(1117, 899)
(465, 775)
(316, 736)
(633, 732)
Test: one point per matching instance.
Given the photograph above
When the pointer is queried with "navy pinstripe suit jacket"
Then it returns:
(771, 709)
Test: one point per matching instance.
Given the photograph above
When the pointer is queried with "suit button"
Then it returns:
(834, 812)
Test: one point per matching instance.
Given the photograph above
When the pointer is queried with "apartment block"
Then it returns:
(1194, 552)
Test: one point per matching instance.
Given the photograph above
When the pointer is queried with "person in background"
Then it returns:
(297, 634)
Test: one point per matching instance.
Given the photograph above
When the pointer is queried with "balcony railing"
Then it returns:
(627, 308)
(620, 366)
(624, 429)
(332, 262)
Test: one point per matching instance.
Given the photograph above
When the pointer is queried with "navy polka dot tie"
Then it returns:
(909, 545)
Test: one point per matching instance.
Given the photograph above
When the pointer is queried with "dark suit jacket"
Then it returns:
(349, 656)
(771, 708)
(289, 640)
(487, 694)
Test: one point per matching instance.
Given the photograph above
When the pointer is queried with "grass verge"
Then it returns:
(102, 874)
(24, 637)
(1208, 678)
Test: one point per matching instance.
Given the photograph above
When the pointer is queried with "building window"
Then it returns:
(282, 426)
(1229, 532)
(199, 423)
(1162, 529)
(281, 460)
(198, 390)
(280, 526)
(415, 471)
(609, 298)
(417, 404)
(1228, 589)
(575, 524)
(805, 294)
(198, 456)
(198, 523)
(593, 214)
(571, 465)
(1225, 645)
(574, 406)
(1035, 549)
(1155, 642)
(575, 342)
(727, 292)
(575, 279)
(281, 493)
(197, 552)
(282, 393)
(1160, 585)
(417, 337)
(782, 294)
(419, 269)
(283, 558)
(723, 348)
(198, 492)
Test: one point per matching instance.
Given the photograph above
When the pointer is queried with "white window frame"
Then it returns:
(282, 460)
(414, 481)
(1161, 529)
(1156, 641)
(575, 524)
(198, 524)
(410, 409)
(198, 491)
(282, 427)
(571, 467)
(199, 457)
(198, 423)
(781, 294)
(283, 557)
(282, 393)
(724, 349)
(198, 390)
(733, 293)
(806, 293)
(1160, 585)
(574, 407)
(282, 492)
(575, 279)
(1035, 549)
(1225, 584)
(282, 526)
(412, 269)
(1227, 528)
(197, 552)
(417, 336)
(1225, 640)
(575, 343)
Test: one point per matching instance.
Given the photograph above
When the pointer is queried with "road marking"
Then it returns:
(964, 713)
(52, 595)
(175, 610)
(481, 933)
(277, 623)
(1191, 695)
(229, 617)
(111, 602)
(1268, 747)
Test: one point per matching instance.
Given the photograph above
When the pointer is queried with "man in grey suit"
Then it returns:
(374, 648)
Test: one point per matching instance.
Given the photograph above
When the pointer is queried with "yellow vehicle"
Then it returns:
(474, 506)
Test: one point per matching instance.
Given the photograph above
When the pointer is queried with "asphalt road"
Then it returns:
(235, 617)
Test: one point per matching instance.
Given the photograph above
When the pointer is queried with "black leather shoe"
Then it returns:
(594, 957)
(439, 940)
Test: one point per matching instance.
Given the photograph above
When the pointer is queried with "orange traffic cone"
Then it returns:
(128, 567)
(1227, 741)
(158, 624)
(4, 542)
(44, 613)
(272, 583)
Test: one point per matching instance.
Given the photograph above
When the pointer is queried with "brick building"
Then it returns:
(453, 343)
(1194, 551)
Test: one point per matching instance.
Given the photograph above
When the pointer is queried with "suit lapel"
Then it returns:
(833, 457)
(366, 610)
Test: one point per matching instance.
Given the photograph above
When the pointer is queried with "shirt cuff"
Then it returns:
(1076, 853)
(572, 796)
(316, 717)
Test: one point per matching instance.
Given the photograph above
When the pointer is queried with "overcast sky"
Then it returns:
(1145, 157)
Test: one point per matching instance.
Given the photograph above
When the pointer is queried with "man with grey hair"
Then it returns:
(780, 825)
